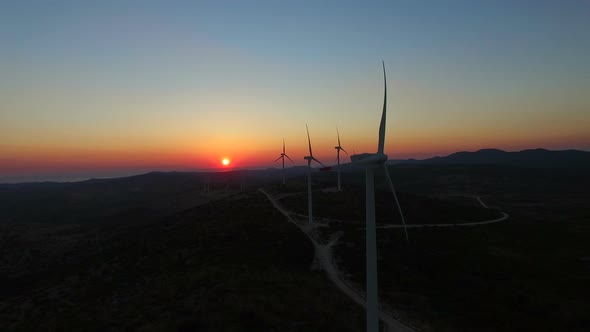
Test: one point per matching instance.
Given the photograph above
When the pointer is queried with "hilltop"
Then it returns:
(538, 158)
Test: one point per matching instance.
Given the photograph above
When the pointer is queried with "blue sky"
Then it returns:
(184, 79)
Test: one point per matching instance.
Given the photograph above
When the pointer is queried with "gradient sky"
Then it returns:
(146, 85)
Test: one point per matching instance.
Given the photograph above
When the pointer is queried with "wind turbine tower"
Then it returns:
(309, 159)
(206, 184)
(338, 148)
(372, 161)
(282, 156)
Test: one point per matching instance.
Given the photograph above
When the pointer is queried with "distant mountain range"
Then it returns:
(526, 158)
(537, 158)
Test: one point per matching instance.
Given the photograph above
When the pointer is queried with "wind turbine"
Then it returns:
(338, 148)
(206, 184)
(309, 159)
(283, 155)
(371, 161)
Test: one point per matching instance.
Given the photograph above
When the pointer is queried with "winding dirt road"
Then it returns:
(466, 224)
(323, 253)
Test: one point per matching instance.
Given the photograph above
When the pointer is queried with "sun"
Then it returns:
(225, 161)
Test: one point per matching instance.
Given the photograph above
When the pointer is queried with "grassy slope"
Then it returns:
(349, 205)
(230, 265)
(214, 268)
(527, 274)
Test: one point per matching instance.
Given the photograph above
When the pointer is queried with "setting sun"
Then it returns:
(225, 161)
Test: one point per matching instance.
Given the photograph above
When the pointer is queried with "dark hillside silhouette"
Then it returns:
(527, 158)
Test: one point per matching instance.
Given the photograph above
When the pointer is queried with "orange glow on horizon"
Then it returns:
(253, 152)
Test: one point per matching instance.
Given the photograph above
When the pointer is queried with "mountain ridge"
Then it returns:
(539, 157)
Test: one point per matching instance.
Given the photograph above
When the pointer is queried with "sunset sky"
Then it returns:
(133, 86)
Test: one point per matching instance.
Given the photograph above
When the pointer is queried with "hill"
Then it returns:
(157, 252)
(538, 158)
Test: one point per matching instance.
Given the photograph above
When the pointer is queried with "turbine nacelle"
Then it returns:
(312, 158)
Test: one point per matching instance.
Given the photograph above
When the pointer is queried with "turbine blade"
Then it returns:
(396, 200)
(283, 145)
(341, 148)
(338, 134)
(319, 162)
(308, 140)
(290, 159)
(383, 115)
(278, 158)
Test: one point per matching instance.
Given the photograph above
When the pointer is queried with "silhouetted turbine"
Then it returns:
(371, 161)
(282, 156)
(309, 159)
(338, 148)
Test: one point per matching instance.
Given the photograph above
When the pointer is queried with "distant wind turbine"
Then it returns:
(309, 159)
(283, 155)
(206, 184)
(371, 161)
(338, 148)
